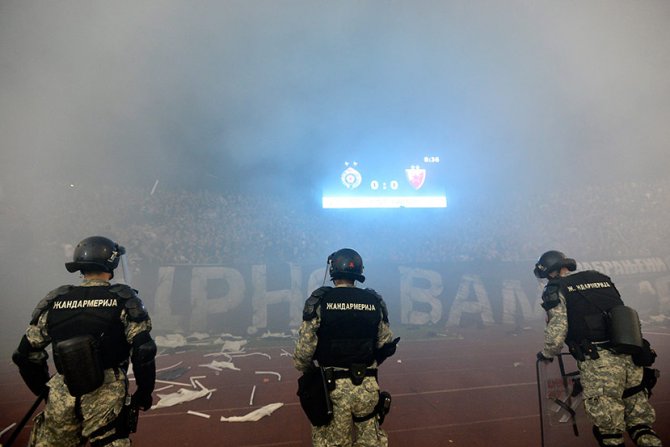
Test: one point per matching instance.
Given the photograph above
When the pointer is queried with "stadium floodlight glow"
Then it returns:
(384, 202)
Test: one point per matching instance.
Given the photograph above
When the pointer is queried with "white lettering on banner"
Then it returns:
(203, 305)
(351, 306)
(78, 304)
(515, 298)
(417, 298)
(463, 305)
(262, 298)
(410, 294)
(663, 291)
(162, 315)
(626, 266)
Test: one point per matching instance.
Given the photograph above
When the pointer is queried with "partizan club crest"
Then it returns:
(350, 177)
(416, 176)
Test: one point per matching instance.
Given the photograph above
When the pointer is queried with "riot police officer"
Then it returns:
(577, 306)
(94, 329)
(345, 331)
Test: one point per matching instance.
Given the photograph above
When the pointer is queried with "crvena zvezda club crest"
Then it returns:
(416, 176)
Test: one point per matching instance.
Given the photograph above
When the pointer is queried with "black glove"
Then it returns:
(541, 357)
(386, 351)
(141, 400)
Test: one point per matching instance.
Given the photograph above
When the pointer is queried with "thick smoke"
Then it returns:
(520, 98)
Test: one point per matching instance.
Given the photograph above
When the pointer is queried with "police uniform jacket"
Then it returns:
(114, 315)
(575, 306)
(342, 326)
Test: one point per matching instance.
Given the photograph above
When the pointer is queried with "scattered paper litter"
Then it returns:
(251, 353)
(254, 415)
(163, 388)
(217, 354)
(168, 382)
(169, 367)
(234, 337)
(276, 335)
(199, 335)
(170, 341)
(181, 396)
(5, 430)
(195, 413)
(233, 345)
(251, 399)
(220, 366)
(193, 381)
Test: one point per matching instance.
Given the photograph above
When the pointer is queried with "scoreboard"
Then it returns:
(380, 182)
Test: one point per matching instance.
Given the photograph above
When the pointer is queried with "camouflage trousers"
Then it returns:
(349, 399)
(604, 381)
(64, 423)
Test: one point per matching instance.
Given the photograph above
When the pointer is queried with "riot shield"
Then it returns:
(562, 418)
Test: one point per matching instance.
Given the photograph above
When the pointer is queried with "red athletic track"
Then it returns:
(476, 390)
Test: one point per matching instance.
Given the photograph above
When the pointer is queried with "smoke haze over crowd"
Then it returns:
(197, 93)
(521, 98)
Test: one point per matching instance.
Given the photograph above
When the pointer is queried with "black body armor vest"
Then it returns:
(350, 320)
(587, 295)
(91, 311)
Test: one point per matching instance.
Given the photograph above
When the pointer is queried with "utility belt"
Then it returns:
(587, 349)
(81, 363)
(356, 373)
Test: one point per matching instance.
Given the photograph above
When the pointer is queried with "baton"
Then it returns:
(539, 393)
(329, 403)
(24, 421)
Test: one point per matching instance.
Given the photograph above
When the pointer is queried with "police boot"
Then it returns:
(644, 436)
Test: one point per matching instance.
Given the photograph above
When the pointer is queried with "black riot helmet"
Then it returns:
(346, 264)
(96, 254)
(553, 261)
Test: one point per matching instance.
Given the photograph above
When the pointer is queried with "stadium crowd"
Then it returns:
(164, 226)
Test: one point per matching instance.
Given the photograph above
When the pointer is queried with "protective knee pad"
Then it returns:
(108, 434)
(643, 435)
(613, 437)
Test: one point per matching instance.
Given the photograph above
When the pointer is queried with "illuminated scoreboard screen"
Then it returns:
(381, 182)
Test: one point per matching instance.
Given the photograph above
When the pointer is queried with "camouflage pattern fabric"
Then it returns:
(305, 347)
(38, 334)
(60, 426)
(307, 340)
(604, 381)
(556, 330)
(349, 399)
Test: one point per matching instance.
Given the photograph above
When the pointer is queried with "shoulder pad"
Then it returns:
(374, 292)
(550, 297)
(382, 304)
(135, 309)
(46, 301)
(123, 291)
(55, 293)
(312, 303)
(321, 291)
